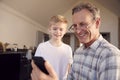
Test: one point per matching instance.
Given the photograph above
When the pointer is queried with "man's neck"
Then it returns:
(91, 42)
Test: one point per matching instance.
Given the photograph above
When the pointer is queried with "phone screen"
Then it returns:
(40, 62)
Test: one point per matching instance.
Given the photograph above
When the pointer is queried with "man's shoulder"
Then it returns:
(109, 49)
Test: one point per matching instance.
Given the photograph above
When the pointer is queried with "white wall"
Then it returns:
(109, 22)
(16, 28)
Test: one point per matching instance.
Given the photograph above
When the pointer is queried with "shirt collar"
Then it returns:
(95, 44)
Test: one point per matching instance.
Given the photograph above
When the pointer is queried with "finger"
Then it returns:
(37, 73)
(33, 65)
(33, 75)
(50, 70)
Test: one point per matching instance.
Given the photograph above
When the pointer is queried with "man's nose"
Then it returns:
(78, 29)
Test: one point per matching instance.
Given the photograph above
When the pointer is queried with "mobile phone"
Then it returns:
(40, 62)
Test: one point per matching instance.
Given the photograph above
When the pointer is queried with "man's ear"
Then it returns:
(98, 21)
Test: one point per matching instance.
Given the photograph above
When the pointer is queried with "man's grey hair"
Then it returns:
(90, 7)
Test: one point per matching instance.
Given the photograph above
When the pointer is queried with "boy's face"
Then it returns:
(57, 30)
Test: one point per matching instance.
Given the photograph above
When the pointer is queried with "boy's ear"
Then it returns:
(48, 30)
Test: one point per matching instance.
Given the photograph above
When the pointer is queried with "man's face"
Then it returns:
(86, 29)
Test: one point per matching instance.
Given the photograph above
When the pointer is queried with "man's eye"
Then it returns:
(74, 25)
(82, 24)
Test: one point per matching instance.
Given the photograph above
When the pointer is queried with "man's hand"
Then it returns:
(37, 74)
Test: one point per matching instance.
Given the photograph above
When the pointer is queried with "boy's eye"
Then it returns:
(60, 29)
(54, 28)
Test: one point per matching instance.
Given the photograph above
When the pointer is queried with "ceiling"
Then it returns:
(112, 5)
(41, 10)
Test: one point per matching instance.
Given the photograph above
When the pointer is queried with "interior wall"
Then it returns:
(119, 32)
(17, 29)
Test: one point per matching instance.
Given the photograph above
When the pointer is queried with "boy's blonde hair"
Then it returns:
(56, 19)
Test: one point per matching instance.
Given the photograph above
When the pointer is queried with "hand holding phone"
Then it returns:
(40, 62)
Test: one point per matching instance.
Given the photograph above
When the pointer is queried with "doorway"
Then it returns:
(71, 40)
(119, 32)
